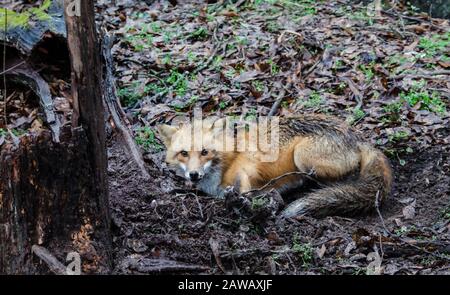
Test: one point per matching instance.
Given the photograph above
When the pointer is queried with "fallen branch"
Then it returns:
(25, 75)
(424, 75)
(53, 264)
(277, 102)
(116, 111)
(148, 266)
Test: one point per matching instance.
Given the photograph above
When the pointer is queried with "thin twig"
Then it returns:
(11, 68)
(4, 68)
(377, 208)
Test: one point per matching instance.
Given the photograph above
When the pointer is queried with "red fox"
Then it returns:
(352, 173)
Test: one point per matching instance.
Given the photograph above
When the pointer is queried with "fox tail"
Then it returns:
(349, 197)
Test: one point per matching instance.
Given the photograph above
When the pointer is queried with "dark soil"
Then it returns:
(152, 223)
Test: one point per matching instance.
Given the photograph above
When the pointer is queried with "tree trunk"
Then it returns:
(54, 194)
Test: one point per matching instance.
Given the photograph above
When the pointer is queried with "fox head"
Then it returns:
(191, 148)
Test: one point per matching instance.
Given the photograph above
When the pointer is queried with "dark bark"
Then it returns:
(86, 91)
(47, 194)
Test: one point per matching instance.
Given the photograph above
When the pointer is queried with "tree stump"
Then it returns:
(53, 189)
(47, 198)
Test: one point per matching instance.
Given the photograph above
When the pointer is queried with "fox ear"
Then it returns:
(166, 132)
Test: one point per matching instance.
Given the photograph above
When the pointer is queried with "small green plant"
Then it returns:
(128, 96)
(231, 46)
(392, 112)
(223, 105)
(18, 132)
(398, 136)
(258, 203)
(419, 95)
(217, 62)
(393, 107)
(147, 140)
(315, 100)
(436, 44)
(191, 57)
(167, 37)
(285, 104)
(363, 15)
(358, 271)
(338, 64)
(200, 34)
(395, 153)
(357, 114)
(367, 70)
(301, 7)
(15, 132)
(178, 82)
(251, 115)
(231, 73)
(303, 250)
(258, 85)
(445, 213)
(400, 59)
(273, 26)
(427, 261)
(167, 59)
(404, 230)
(274, 68)
(155, 27)
(139, 38)
(242, 41)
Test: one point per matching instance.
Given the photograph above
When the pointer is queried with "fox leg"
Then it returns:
(237, 178)
(243, 182)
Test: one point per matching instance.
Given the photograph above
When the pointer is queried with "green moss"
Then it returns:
(14, 19)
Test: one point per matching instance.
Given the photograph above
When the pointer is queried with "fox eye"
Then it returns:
(204, 152)
(184, 153)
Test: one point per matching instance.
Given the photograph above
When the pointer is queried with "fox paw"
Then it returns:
(234, 199)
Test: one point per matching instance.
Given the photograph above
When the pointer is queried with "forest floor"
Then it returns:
(385, 74)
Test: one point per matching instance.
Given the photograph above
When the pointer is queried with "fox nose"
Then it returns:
(194, 176)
